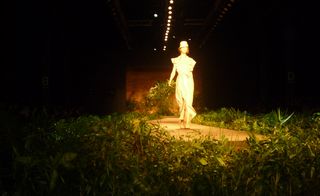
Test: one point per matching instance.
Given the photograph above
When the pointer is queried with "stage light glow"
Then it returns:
(155, 15)
(169, 20)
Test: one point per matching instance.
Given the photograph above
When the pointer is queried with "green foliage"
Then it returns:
(282, 165)
(237, 120)
(158, 101)
(159, 98)
(225, 118)
(122, 154)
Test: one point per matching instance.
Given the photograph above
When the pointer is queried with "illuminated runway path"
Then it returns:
(196, 131)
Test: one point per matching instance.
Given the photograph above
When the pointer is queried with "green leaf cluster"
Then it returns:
(123, 154)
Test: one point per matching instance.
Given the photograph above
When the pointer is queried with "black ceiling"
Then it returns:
(192, 20)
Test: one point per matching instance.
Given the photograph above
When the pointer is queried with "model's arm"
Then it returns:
(173, 73)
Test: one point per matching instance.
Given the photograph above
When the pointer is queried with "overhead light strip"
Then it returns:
(168, 24)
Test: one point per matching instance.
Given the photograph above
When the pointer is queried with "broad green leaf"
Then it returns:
(222, 163)
(203, 161)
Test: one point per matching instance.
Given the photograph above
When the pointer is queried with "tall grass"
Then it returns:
(122, 154)
(241, 120)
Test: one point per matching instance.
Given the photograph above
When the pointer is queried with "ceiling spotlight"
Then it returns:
(173, 36)
(225, 9)
(154, 49)
(169, 20)
(229, 4)
(155, 15)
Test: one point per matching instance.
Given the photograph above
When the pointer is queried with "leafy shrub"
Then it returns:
(122, 154)
(237, 120)
(160, 99)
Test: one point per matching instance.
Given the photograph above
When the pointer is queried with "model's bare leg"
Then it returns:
(182, 117)
(190, 114)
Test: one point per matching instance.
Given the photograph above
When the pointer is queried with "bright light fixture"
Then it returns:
(169, 20)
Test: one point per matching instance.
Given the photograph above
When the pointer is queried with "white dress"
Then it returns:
(185, 87)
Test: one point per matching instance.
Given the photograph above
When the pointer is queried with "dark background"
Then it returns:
(74, 54)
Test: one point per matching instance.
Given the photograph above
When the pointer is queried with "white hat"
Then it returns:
(183, 44)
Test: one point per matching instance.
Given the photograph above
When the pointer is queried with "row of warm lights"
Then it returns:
(223, 12)
(226, 8)
(169, 20)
